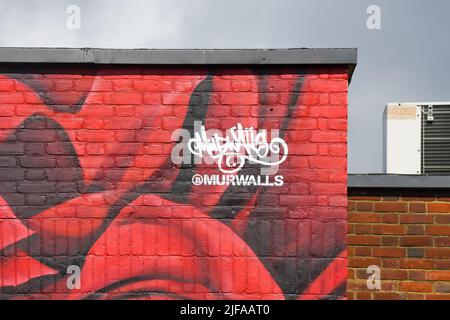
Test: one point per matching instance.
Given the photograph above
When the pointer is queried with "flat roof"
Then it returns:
(301, 56)
(383, 181)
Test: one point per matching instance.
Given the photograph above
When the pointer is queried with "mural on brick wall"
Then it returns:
(172, 183)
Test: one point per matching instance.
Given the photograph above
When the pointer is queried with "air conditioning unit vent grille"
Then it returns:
(435, 151)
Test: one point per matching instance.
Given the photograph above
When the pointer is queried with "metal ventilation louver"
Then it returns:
(435, 151)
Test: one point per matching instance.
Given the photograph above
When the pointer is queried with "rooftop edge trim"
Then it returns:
(303, 56)
(368, 181)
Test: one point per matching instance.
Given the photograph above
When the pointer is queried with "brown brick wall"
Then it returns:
(406, 234)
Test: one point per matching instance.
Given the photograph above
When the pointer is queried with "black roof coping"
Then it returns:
(303, 56)
(386, 181)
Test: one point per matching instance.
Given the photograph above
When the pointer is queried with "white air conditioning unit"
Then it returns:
(417, 138)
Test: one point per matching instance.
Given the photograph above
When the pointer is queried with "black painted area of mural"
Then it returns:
(197, 110)
(34, 76)
(46, 283)
(33, 286)
(42, 175)
(40, 249)
(40, 167)
(337, 294)
(293, 270)
(105, 291)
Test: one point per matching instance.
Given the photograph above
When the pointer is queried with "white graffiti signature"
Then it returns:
(239, 145)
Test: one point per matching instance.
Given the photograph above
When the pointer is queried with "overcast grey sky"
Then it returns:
(407, 60)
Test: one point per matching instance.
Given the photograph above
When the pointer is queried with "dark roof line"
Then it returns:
(302, 56)
(383, 181)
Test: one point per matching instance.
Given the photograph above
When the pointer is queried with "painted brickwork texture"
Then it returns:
(87, 180)
(407, 234)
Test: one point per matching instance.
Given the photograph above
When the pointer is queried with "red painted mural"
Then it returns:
(105, 191)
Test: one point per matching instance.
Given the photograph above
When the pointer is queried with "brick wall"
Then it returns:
(93, 204)
(407, 234)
